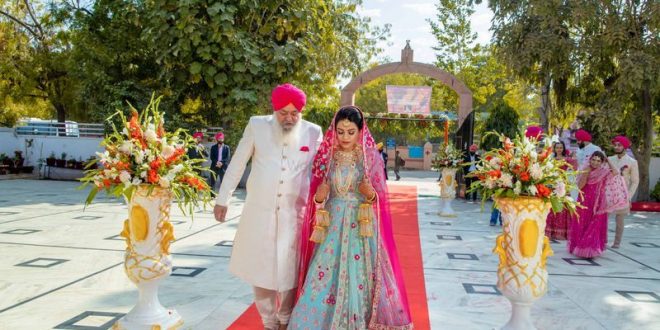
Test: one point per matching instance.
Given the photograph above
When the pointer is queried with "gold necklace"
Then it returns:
(343, 184)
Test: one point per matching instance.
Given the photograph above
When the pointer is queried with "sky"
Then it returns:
(408, 19)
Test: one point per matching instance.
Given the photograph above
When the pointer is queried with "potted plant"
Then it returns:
(62, 161)
(79, 165)
(51, 160)
(448, 160)
(525, 181)
(149, 168)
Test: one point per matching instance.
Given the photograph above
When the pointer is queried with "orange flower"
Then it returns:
(524, 176)
(160, 131)
(542, 190)
(545, 154)
(155, 164)
(152, 176)
(495, 173)
(107, 182)
(177, 153)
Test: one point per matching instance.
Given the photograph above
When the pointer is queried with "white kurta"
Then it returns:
(628, 168)
(265, 251)
(585, 153)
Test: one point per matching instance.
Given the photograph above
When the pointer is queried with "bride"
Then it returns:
(349, 273)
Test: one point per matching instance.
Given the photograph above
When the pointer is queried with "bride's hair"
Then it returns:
(350, 113)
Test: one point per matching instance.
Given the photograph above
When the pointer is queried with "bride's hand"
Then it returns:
(322, 192)
(366, 189)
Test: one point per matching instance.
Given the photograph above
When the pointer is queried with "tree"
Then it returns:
(455, 46)
(36, 56)
(502, 119)
(230, 55)
(534, 40)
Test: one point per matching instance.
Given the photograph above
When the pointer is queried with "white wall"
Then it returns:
(654, 172)
(43, 146)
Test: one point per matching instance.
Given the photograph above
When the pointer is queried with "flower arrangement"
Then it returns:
(522, 168)
(141, 153)
(448, 156)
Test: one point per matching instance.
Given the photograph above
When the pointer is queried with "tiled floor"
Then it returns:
(60, 267)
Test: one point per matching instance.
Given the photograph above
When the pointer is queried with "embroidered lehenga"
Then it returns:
(351, 279)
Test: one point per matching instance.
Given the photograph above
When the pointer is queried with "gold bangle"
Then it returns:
(373, 198)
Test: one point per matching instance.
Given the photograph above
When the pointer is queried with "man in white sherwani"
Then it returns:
(586, 148)
(627, 166)
(265, 251)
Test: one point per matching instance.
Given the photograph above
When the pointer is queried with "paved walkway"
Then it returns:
(60, 267)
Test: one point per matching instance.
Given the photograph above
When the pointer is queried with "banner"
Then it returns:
(408, 99)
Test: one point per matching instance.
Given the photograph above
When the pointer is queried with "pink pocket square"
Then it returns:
(304, 148)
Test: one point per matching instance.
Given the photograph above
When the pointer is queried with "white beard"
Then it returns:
(290, 136)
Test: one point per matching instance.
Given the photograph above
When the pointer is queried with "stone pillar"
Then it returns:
(428, 156)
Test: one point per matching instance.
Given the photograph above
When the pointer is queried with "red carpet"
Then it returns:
(406, 234)
(646, 206)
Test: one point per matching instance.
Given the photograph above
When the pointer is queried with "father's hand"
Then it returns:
(220, 212)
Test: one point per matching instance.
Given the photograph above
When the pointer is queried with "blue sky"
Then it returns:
(408, 19)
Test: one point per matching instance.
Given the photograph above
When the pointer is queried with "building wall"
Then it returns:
(37, 147)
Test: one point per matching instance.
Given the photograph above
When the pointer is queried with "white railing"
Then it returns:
(67, 129)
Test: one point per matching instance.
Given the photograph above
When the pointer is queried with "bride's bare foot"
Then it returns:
(615, 245)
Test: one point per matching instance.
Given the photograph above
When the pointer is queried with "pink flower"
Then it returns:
(357, 257)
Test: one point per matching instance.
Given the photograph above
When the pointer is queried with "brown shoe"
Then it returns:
(283, 326)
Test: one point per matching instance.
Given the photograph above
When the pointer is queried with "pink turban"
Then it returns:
(623, 140)
(533, 132)
(199, 135)
(220, 136)
(474, 147)
(582, 135)
(286, 94)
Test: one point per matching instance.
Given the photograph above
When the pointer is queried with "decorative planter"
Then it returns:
(51, 161)
(147, 262)
(523, 249)
(448, 191)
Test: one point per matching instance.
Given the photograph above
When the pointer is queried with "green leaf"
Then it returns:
(195, 68)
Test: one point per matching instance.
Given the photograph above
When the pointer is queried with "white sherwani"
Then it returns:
(265, 252)
(585, 153)
(627, 166)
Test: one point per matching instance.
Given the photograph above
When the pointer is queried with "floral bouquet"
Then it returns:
(141, 153)
(448, 156)
(521, 167)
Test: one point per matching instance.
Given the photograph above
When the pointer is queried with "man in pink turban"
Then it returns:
(586, 148)
(220, 157)
(471, 158)
(265, 254)
(199, 150)
(627, 166)
(533, 132)
(288, 102)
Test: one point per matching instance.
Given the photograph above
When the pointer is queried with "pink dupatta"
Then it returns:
(390, 301)
(611, 190)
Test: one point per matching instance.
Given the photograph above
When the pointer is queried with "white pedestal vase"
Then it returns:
(147, 262)
(523, 249)
(448, 191)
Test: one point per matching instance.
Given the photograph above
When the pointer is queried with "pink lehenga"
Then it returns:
(603, 193)
(557, 224)
(349, 280)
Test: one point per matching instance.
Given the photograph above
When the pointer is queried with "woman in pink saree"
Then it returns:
(603, 190)
(349, 273)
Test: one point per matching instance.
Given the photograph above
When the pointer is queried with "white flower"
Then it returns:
(490, 183)
(536, 172)
(125, 131)
(168, 151)
(534, 155)
(532, 190)
(560, 189)
(126, 147)
(517, 189)
(136, 181)
(125, 177)
(178, 168)
(164, 182)
(150, 158)
(150, 135)
(495, 163)
(506, 180)
(143, 174)
(139, 156)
